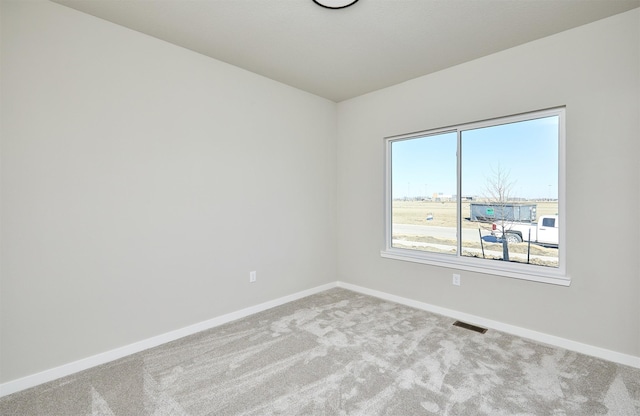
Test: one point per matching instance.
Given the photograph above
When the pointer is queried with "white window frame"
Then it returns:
(554, 275)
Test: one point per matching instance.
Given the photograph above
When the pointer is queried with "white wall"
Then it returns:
(594, 70)
(141, 182)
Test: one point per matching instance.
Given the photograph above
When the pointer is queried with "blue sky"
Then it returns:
(527, 150)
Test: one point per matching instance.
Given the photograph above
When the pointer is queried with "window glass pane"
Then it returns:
(423, 189)
(510, 192)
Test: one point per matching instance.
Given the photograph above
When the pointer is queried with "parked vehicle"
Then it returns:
(544, 232)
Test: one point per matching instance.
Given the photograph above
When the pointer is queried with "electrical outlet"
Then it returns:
(252, 277)
(456, 279)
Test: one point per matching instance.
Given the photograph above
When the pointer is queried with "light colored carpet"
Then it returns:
(342, 353)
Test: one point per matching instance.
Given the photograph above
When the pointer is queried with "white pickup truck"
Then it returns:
(544, 232)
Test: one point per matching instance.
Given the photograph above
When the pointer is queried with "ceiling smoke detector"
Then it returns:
(335, 4)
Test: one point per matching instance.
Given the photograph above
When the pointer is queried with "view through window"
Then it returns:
(487, 192)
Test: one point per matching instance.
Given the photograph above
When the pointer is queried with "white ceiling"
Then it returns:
(340, 54)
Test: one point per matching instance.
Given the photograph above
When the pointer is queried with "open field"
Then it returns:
(444, 213)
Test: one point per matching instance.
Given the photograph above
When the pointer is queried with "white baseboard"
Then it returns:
(102, 358)
(586, 349)
(105, 357)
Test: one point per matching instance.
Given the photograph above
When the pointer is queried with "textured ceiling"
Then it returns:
(340, 54)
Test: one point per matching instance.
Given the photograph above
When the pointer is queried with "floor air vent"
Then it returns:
(470, 327)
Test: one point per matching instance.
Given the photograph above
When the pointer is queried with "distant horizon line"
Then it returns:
(473, 198)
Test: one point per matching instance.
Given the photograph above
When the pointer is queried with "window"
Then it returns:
(485, 196)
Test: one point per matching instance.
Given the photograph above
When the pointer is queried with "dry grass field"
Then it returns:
(444, 213)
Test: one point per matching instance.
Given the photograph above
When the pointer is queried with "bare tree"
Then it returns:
(498, 192)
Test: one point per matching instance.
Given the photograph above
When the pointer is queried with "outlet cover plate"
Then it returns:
(456, 279)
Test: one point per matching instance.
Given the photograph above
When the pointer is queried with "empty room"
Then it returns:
(319, 207)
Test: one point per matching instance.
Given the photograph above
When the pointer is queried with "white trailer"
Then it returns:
(544, 232)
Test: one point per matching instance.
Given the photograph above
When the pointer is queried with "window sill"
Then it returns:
(555, 277)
